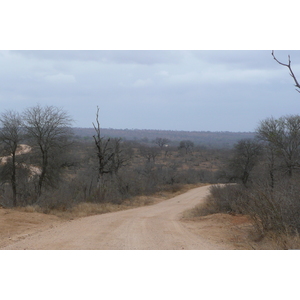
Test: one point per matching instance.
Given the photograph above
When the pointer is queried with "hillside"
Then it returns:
(204, 138)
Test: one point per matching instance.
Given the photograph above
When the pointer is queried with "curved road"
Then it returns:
(156, 227)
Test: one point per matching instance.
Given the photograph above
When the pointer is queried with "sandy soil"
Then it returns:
(16, 225)
(158, 226)
(22, 149)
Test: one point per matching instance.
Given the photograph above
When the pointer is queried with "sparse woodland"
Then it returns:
(266, 173)
(45, 165)
(61, 170)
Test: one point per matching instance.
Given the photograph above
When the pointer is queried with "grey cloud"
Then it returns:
(242, 58)
(142, 83)
(60, 78)
(250, 59)
(182, 90)
(60, 55)
(144, 57)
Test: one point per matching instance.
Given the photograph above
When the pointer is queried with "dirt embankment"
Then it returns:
(158, 226)
(16, 225)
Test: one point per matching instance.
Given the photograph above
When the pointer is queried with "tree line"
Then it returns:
(267, 172)
(47, 130)
(60, 170)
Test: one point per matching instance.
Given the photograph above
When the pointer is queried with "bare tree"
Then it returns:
(246, 154)
(121, 155)
(187, 145)
(283, 136)
(270, 165)
(150, 153)
(288, 65)
(48, 128)
(161, 142)
(104, 151)
(10, 136)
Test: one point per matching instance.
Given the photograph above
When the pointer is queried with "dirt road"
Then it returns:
(151, 227)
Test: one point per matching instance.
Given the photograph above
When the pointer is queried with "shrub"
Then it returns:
(271, 209)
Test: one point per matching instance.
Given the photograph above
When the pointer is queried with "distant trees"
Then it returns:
(10, 137)
(187, 145)
(57, 170)
(161, 142)
(150, 153)
(122, 155)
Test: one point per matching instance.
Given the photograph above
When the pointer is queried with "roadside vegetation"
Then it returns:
(45, 168)
(67, 175)
(48, 166)
(266, 173)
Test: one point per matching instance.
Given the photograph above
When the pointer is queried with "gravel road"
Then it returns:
(156, 227)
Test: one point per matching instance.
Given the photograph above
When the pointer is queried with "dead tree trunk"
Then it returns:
(104, 153)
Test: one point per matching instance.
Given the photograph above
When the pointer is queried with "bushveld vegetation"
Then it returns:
(63, 172)
(44, 167)
(266, 173)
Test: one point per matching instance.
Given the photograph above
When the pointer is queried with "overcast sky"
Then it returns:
(169, 90)
(179, 90)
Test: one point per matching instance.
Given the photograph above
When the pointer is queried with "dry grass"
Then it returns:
(255, 239)
(85, 209)
(273, 241)
(196, 212)
(208, 207)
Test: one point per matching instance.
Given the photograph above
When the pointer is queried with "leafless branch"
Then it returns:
(48, 128)
(290, 68)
